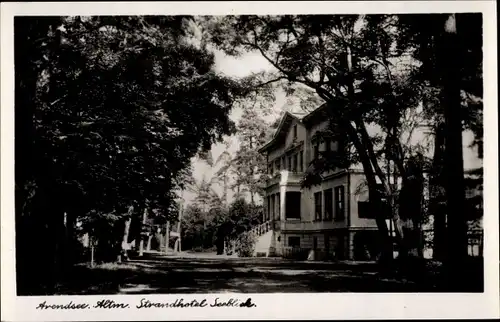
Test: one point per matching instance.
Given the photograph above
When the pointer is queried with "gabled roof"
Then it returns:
(319, 112)
(285, 120)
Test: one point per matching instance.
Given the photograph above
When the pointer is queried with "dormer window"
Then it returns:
(328, 145)
(295, 132)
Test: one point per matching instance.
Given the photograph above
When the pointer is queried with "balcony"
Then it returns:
(291, 177)
(273, 179)
(285, 177)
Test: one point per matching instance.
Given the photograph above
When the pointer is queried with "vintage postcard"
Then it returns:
(249, 160)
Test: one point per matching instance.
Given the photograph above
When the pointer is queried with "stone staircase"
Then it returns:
(264, 246)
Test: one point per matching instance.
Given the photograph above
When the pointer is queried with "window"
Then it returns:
(342, 145)
(294, 163)
(328, 145)
(294, 242)
(316, 151)
(271, 170)
(295, 131)
(328, 194)
(290, 163)
(268, 206)
(292, 204)
(283, 160)
(277, 214)
(317, 206)
(271, 214)
(365, 210)
(315, 243)
(339, 203)
(277, 165)
(301, 161)
(327, 243)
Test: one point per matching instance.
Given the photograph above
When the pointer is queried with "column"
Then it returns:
(350, 245)
(283, 203)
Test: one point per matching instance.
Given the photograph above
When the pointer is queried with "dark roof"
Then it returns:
(303, 117)
(285, 120)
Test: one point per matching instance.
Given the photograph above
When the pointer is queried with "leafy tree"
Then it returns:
(223, 174)
(242, 217)
(206, 198)
(249, 163)
(113, 111)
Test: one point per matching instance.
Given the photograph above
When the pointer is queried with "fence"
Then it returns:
(475, 242)
(296, 253)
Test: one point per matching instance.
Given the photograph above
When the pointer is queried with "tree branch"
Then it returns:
(270, 81)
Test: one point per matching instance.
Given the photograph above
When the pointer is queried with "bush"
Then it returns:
(245, 245)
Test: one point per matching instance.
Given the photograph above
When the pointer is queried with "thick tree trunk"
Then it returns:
(436, 206)
(450, 62)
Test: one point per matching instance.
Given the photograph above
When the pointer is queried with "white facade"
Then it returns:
(323, 217)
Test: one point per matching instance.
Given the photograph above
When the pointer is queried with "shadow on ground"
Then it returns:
(160, 275)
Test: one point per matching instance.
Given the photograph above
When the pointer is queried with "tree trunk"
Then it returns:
(179, 226)
(454, 166)
(167, 237)
(436, 205)
(126, 233)
(364, 147)
(148, 247)
(224, 196)
(395, 214)
(141, 243)
(374, 196)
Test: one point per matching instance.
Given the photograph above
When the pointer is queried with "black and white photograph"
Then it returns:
(184, 154)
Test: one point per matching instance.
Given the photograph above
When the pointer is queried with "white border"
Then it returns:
(270, 306)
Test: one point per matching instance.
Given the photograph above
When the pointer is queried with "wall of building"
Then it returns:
(359, 192)
(276, 152)
(301, 133)
(310, 133)
(308, 205)
(279, 149)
